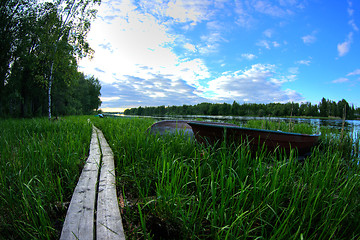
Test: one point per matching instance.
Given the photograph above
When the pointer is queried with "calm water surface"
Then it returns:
(350, 125)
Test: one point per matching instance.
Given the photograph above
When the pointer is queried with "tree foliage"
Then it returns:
(42, 41)
(325, 108)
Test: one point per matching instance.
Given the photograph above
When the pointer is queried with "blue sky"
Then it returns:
(151, 53)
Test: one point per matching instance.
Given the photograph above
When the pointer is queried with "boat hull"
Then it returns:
(177, 126)
(170, 127)
(212, 133)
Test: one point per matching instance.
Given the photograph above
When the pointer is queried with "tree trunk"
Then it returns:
(49, 89)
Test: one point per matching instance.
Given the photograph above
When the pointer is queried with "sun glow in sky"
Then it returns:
(175, 52)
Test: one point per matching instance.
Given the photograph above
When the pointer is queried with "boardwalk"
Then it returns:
(94, 211)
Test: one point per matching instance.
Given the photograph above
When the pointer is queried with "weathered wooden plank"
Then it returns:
(108, 219)
(79, 220)
(105, 148)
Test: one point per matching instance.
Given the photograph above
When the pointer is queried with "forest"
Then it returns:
(325, 108)
(40, 44)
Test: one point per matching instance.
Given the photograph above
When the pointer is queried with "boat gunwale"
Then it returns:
(252, 129)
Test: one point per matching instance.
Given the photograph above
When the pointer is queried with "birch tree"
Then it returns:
(75, 17)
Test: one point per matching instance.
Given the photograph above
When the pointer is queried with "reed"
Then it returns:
(178, 189)
(282, 126)
(40, 162)
(175, 188)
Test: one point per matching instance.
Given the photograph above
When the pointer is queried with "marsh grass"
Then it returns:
(284, 126)
(40, 162)
(174, 188)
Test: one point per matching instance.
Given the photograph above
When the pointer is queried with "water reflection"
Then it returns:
(349, 125)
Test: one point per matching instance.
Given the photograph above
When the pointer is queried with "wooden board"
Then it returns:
(94, 207)
(79, 221)
(108, 219)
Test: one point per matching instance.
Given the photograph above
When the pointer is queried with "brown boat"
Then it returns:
(212, 133)
(177, 126)
(170, 127)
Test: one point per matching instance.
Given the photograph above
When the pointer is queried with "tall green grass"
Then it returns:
(282, 126)
(175, 188)
(40, 162)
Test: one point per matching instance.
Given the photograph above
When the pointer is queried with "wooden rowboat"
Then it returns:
(171, 127)
(177, 126)
(212, 133)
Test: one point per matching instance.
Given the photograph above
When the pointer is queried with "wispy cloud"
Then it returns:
(340, 80)
(263, 44)
(180, 11)
(210, 42)
(260, 83)
(188, 11)
(344, 47)
(175, 52)
(248, 12)
(309, 39)
(135, 60)
(268, 33)
(303, 62)
(349, 77)
(248, 56)
(244, 17)
(269, 8)
(351, 15)
(268, 44)
(190, 47)
(356, 72)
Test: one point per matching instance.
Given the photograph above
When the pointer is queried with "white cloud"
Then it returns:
(248, 12)
(340, 80)
(276, 44)
(356, 72)
(268, 33)
(244, 17)
(353, 25)
(351, 15)
(160, 89)
(268, 8)
(185, 11)
(190, 47)
(109, 99)
(179, 11)
(248, 56)
(345, 79)
(344, 48)
(264, 44)
(309, 39)
(293, 70)
(288, 2)
(210, 42)
(267, 44)
(257, 84)
(304, 62)
(142, 59)
(135, 61)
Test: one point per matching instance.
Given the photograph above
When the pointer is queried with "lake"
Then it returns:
(350, 125)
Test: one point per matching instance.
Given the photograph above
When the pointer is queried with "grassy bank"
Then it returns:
(172, 188)
(40, 162)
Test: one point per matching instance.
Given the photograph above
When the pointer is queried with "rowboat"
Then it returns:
(171, 127)
(177, 127)
(212, 133)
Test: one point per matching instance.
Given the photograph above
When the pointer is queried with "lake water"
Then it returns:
(350, 125)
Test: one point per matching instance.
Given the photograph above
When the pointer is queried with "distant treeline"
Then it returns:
(326, 108)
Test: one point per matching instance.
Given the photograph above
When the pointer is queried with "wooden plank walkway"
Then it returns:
(94, 211)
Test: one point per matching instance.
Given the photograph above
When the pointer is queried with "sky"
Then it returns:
(175, 52)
